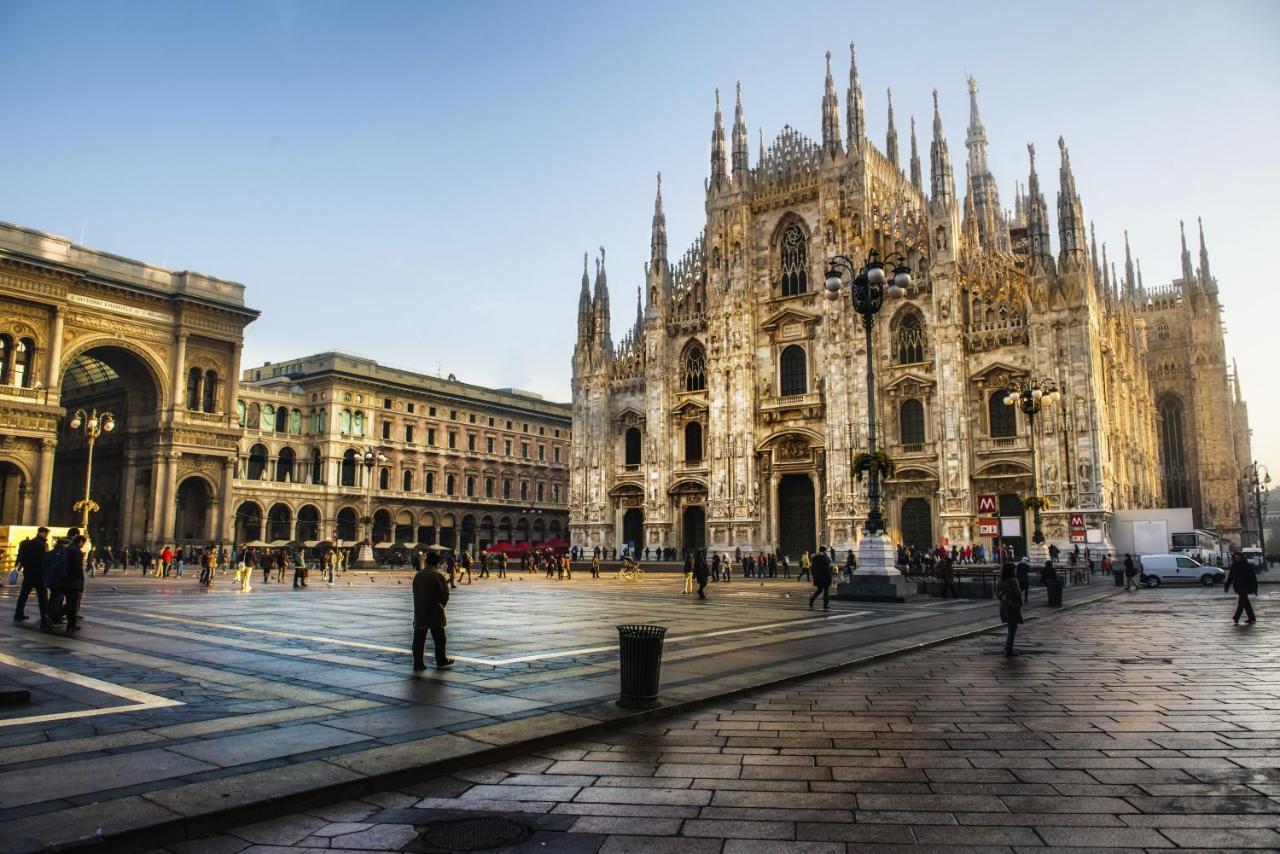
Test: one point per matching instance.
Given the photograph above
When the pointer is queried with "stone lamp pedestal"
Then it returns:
(877, 578)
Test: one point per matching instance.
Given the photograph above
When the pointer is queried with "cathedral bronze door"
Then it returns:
(917, 524)
(693, 528)
(797, 527)
(633, 527)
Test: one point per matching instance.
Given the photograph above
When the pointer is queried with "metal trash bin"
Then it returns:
(640, 660)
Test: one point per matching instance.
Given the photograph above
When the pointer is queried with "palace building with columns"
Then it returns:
(732, 411)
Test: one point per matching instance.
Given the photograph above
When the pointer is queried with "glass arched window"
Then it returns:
(254, 414)
(295, 422)
(240, 412)
(257, 462)
(910, 340)
(471, 486)
(317, 466)
(6, 358)
(282, 420)
(344, 421)
(695, 369)
(26, 357)
(1004, 419)
(1172, 452)
(193, 389)
(384, 478)
(541, 491)
(632, 441)
(693, 442)
(406, 481)
(209, 403)
(794, 262)
(431, 482)
(357, 423)
(793, 374)
(284, 465)
(911, 422)
(348, 473)
(449, 484)
(524, 490)
(268, 417)
(324, 421)
(506, 489)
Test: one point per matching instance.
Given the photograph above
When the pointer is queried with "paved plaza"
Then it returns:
(1143, 722)
(177, 705)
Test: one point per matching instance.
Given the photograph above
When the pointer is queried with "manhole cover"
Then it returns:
(469, 834)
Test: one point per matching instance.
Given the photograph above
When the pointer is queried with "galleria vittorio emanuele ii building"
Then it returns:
(731, 413)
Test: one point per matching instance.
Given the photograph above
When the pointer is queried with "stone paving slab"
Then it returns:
(297, 698)
(958, 750)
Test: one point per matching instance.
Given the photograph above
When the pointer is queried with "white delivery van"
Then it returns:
(1155, 570)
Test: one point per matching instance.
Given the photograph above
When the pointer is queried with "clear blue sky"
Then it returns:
(417, 182)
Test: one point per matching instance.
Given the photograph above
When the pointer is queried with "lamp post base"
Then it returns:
(365, 559)
(877, 578)
(1037, 554)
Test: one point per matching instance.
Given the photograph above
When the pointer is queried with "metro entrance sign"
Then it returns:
(1077, 528)
(988, 527)
(987, 505)
(1077, 520)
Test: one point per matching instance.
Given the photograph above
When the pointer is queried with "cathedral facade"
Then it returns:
(731, 413)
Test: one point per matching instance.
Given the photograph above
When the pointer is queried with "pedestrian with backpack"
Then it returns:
(53, 568)
(72, 583)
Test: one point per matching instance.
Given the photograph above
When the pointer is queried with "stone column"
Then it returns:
(127, 498)
(163, 513)
(53, 371)
(233, 385)
(44, 489)
(227, 506)
(154, 520)
(178, 367)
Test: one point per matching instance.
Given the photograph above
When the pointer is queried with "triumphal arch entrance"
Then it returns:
(159, 349)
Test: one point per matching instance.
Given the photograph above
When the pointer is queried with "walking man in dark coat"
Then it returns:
(430, 595)
(72, 583)
(31, 560)
(948, 572)
(1242, 577)
(821, 569)
(700, 573)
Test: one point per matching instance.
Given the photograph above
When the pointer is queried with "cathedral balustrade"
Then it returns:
(924, 450)
(776, 408)
(1001, 444)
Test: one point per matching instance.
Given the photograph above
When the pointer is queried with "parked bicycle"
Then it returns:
(630, 571)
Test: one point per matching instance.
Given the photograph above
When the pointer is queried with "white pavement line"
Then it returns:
(141, 699)
(496, 662)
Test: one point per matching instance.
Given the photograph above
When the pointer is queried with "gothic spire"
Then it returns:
(976, 140)
(584, 302)
(970, 222)
(891, 136)
(639, 313)
(600, 302)
(1093, 255)
(1130, 281)
(1070, 215)
(941, 182)
(741, 154)
(830, 115)
(719, 154)
(916, 180)
(1142, 289)
(855, 108)
(1188, 274)
(658, 237)
(1106, 273)
(1206, 278)
(1037, 219)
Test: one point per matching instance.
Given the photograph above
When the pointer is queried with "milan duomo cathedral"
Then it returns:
(730, 414)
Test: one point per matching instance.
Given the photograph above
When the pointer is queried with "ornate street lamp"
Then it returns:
(370, 458)
(1258, 476)
(94, 425)
(1031, 394)
(870, 285)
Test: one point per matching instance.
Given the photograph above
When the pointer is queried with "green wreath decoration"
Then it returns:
(878, 461)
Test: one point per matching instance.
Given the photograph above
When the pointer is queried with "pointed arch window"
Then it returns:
(910, 340)
(1003, 420)
(794, 259)
(693, 442)
(1172, 452)
(632, 449)
(911, 422)
(793, 374)
(695, 368)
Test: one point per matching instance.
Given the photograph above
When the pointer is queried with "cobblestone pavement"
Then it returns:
(1145, 722)
(177, 703)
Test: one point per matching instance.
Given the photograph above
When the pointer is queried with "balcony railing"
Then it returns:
(1002, 444)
